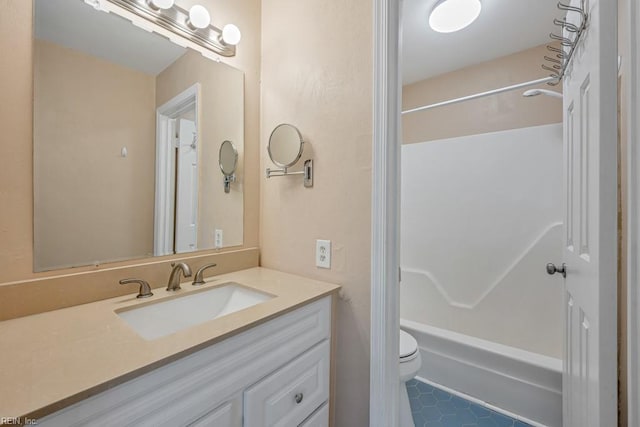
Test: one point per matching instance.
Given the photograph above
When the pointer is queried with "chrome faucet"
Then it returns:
(198, 279)
(174, 278)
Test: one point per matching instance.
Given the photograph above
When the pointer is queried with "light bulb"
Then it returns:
(198, 17)
(160, 4)
(449, 16)
(231, 35)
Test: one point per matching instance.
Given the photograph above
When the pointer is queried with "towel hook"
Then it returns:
(579, 10)
(564, 41)
(566, 25)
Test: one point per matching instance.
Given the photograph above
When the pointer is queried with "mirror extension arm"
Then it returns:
(307, 172)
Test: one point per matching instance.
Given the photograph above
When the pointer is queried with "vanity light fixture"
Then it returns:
(449, 16)
(199, 17)
(193, 24)
(231, 35)
(160, 4)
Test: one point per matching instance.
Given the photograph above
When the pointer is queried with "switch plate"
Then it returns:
(217, 239)
(323, 253)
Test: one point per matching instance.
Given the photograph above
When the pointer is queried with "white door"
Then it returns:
(186, 230)
(590, 238)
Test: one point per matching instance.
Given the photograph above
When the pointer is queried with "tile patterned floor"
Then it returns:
(432, 407)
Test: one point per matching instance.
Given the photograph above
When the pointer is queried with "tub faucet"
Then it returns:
(198, 279)
(174, 278)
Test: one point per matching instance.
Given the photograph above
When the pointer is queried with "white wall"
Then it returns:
(481, 216)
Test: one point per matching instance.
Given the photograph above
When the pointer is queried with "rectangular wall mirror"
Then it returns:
(127, 133)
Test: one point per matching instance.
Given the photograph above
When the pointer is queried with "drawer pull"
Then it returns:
(298, 397)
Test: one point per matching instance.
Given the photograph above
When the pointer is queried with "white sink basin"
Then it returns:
(166, 317)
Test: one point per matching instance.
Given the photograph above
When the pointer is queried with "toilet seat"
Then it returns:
(408, 347)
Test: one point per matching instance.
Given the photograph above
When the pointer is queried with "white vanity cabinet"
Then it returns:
(275, 374)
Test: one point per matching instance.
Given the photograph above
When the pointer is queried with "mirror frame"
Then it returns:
(301, 149)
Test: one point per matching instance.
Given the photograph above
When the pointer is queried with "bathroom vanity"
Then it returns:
(268, 364)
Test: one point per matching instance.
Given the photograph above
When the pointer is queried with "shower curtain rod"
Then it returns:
(481, 95)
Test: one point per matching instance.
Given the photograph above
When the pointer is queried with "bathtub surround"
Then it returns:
(317, 75)
(481, 216)
(505, 111)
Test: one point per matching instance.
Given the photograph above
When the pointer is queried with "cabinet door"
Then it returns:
(229, 414)
(288, 396)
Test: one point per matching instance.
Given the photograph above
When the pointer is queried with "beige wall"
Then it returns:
(317, 74)
(16, 167)
(509, 110)
(16, 194)
(220, 112)
(86, 208)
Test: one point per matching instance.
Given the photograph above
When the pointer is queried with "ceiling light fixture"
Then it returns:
(199, 17)
(449, 16)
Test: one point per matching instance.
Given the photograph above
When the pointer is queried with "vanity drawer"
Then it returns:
(319, 419)
(288, 396)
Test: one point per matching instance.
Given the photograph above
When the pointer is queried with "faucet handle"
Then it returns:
(198, 279)
(145, 289)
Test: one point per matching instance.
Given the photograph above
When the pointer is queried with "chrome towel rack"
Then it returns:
(558, 63)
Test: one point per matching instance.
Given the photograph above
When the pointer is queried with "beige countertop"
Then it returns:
(54, 359)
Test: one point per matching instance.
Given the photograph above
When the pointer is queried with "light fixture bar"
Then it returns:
(175, 20)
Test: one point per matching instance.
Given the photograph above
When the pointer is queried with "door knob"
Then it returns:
(552, 269)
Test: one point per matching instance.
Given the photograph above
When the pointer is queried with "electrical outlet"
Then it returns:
(323, 253)
(217, 239)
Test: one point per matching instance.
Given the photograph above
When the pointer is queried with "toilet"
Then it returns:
(410, 362)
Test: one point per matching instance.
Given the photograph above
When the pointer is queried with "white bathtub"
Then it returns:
(507, 379)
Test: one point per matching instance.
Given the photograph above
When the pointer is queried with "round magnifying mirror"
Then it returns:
(285, 145)
(228, 158)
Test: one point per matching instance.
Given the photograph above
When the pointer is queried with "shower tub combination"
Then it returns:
(481, 216)
(518, 383)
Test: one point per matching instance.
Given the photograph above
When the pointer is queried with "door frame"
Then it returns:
(164, 214)
(633, 215)
(384, 396)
